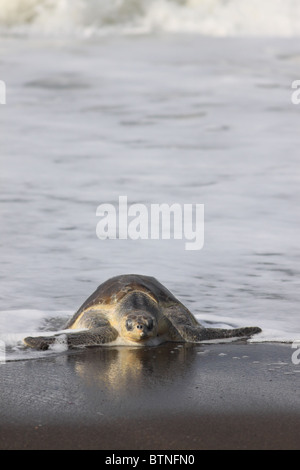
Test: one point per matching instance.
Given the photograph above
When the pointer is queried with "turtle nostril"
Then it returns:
(140, 327)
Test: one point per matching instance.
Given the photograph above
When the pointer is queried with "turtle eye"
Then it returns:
(150, 324)
(129, 325)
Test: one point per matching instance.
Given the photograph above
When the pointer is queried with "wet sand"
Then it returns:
(173, 397)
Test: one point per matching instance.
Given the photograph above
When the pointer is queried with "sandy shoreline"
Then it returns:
(240, 396)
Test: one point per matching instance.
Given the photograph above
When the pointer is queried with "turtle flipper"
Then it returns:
(186, 325)
(219, 333)
(39, 342)
(93, 337)
(194, 334)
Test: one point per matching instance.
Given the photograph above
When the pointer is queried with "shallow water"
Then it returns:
(161, 119)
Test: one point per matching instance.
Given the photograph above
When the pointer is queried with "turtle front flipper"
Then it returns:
(187, 327)
(194, 334)
(40, 342)
(93, 337)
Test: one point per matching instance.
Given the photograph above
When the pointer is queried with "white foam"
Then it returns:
(60, 344)
(209, 17)
(15, 325)
(270, 329)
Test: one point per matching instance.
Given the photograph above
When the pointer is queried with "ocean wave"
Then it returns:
(219, 18)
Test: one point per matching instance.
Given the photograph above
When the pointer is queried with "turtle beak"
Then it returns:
(142, 330)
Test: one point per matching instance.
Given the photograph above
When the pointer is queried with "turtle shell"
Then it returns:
(111, 292)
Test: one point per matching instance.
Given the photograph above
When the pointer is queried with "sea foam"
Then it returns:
(208, 17)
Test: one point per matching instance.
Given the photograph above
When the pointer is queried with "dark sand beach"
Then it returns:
(175, 105)
(173, 397)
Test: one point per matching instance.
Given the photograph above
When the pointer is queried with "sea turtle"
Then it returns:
(134, 309)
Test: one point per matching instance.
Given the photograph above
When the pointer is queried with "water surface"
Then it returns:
(160, 119)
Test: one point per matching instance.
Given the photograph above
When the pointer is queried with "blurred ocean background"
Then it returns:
(185, 101)
(208, 17)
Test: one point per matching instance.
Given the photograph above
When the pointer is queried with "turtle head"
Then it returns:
(139, 326)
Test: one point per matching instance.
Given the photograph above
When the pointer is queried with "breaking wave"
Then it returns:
(207, 17)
